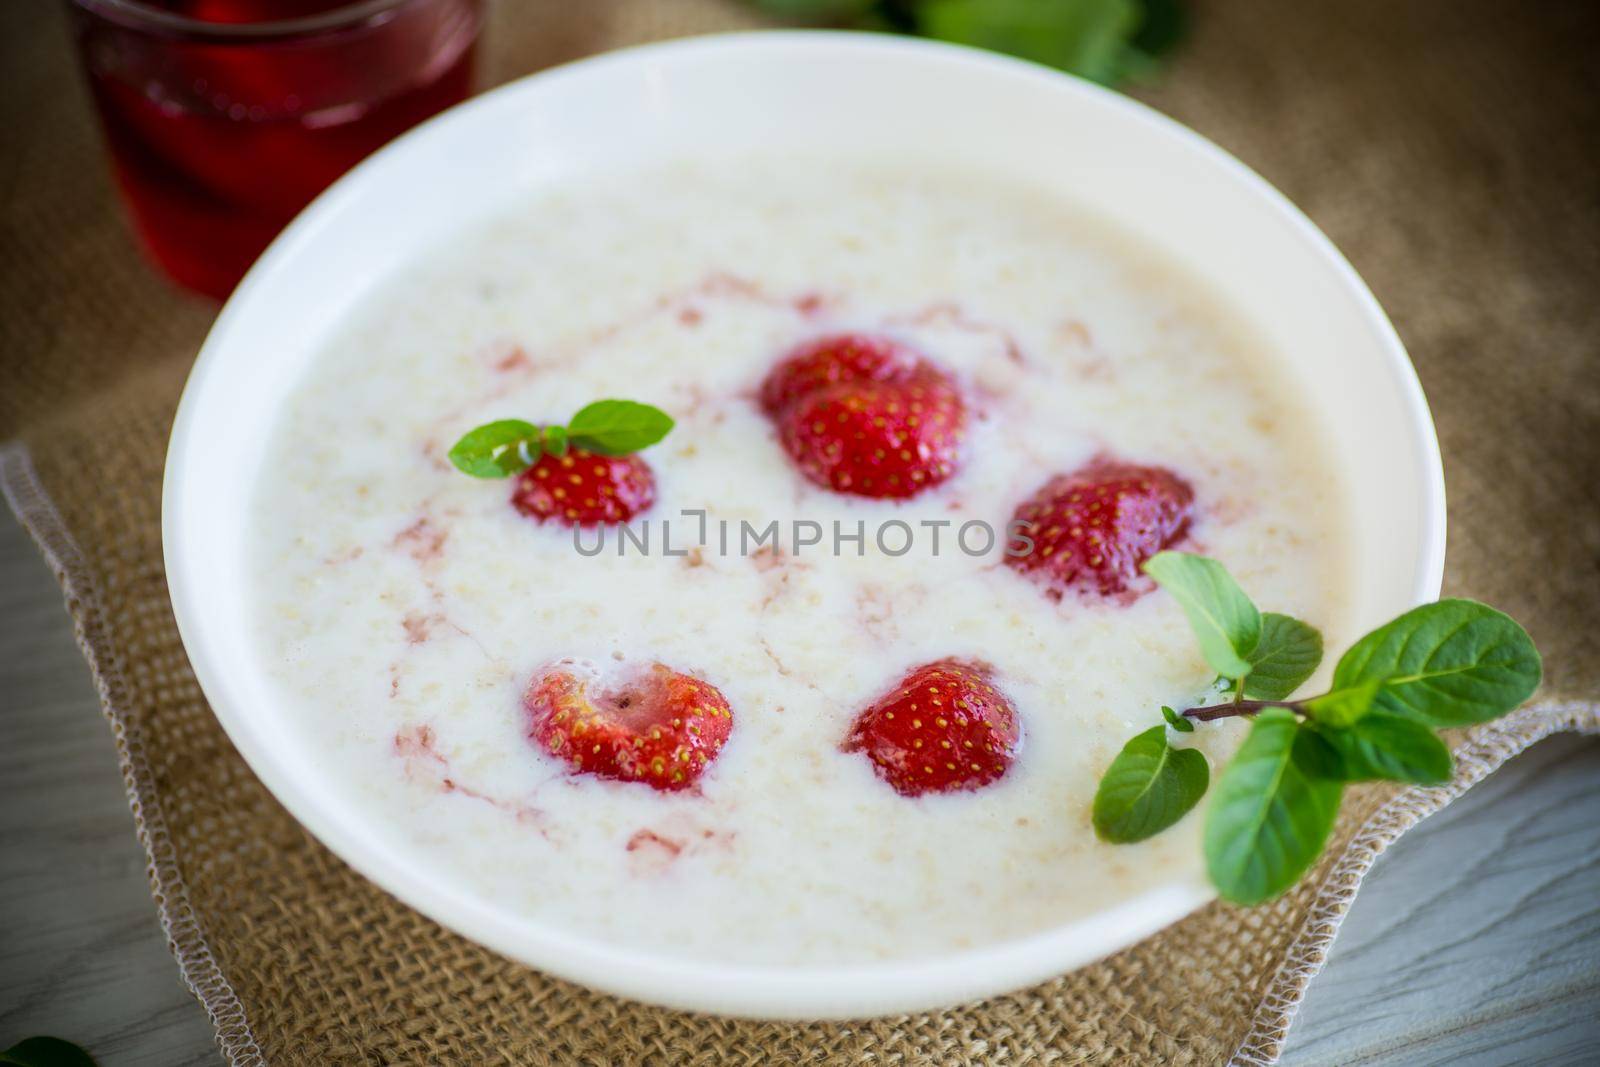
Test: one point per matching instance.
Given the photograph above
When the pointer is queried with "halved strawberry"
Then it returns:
(866, 416)
(1093, 528)
(653, 725)
(945, 727)
(584, 488)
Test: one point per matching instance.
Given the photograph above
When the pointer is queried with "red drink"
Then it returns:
(226, 117)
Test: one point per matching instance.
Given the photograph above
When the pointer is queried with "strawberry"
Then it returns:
(850, 357)
(866, 416)
(944, 728)
(653, 725)
(874, 440)
(1093, 528)
(584, 488)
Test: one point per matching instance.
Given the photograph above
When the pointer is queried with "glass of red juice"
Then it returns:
(226, 117)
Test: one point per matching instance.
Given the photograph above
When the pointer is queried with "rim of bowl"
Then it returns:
(843, 991)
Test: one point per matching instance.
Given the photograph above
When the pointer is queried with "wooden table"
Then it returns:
(1476, 940)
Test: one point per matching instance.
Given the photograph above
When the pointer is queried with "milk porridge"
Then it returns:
(406, 610)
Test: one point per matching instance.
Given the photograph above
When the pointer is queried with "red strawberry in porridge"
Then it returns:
(581, 474)
(584, 488)
(866, 416)
(875, 440)
(1093, 528)
(842, 358)
(653, 725)
(944, 728)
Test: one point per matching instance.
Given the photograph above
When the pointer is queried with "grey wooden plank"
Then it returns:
(82, 955)
(1476, 940)
(1477, 937)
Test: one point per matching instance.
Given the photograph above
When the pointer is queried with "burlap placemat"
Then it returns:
(1447, 147)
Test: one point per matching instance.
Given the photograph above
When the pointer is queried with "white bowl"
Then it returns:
(721, 96)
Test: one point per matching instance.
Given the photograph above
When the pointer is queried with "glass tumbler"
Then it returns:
(226, 117)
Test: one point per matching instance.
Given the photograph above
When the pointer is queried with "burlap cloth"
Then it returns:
(1447, 147)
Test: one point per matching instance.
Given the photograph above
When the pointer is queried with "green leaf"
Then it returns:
(1225, 622)
(1164, 25)
(1086, 37)
(1288, 653)
(497, 449)
(45, 1052)
(816, 11)
(1148, 787)
(1344, 707)
(618, 427)
(1387, 747)
(1451, 663)
(1272, 809)
(1176, 721)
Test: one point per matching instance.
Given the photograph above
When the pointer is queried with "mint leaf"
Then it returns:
(1225, 622)
(1176, 721)
(1272, 809)
(1148, 787)
(1344, 707)
(497, 449)
(1086, 37)
(1381, 746)
(618, 427)
(45, 1052)
(1451, 663)
(1288, 653)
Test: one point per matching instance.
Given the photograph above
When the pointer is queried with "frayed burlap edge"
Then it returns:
(1486, 750)
(38, 515)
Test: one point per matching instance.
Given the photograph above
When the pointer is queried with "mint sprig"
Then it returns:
(509, 446)
(1450, 663)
